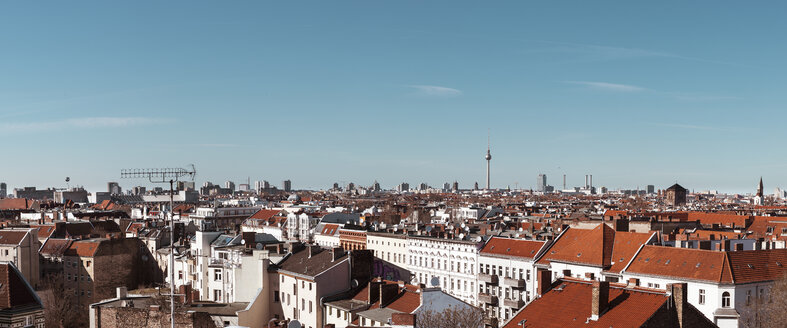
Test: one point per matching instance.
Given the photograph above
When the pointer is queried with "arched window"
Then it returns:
(725, 300)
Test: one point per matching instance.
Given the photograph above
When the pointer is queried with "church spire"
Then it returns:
(760, 192)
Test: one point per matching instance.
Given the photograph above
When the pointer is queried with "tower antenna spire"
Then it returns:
(488, 156)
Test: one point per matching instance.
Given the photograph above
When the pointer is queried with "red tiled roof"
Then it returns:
(264, 214)
(625, 247)
(759, 265)
(329, 229)
(512, 247)
(44, 230)
(407, 302)
(55, 247)
(14, 290)
(84, 248)
(592, 247)
(693, 264)
(15, 204)
(570, 307)
(12, 237)
(717, 218)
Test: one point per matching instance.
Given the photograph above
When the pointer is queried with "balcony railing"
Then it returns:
(515, 283)
(490, 322)
(513, 303)
(487, 298)
(488, 278)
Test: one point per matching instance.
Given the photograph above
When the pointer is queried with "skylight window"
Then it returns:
(666, 262)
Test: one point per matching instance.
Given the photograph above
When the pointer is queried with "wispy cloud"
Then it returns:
(696, 127)
(436, 91)
(608, 86)
(80, 123)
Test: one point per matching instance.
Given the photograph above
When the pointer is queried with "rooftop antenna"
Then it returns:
(165, 175)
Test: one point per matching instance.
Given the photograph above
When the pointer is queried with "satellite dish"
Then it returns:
(461, 236)
(243, 241)
(395, 229)
(294, 324)
(383, 225)
(520, 229)
(259, 246)
(463, 225)
(428, 229)
(435, 282)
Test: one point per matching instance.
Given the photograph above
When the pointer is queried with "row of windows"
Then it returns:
(442, 264)
(504, 271)
(82, 277)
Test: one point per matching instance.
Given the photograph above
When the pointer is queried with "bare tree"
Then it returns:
(452, 317)
(767, 311)
(60, 309)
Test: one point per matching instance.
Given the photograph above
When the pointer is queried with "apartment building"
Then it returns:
(506, 275)
(21, 246)
(448, 263)
(388, 247)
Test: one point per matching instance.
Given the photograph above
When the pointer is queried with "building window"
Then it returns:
(725, 299)
(748, 297)
(276, 296)
(217, 275)
(702, 296)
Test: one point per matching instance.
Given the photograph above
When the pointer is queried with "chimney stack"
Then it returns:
(591, 181)
(388, 293)
(544, 281)
(122, 292)
(336, 253)
(600, 300)
(679, 291)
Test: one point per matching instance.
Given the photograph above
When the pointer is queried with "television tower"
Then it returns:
(488, 158)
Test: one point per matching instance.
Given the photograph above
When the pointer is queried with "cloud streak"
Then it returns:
(435, 91)
(608, 86)
(80, 123)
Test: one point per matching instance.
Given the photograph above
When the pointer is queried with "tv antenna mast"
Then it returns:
(165, 175)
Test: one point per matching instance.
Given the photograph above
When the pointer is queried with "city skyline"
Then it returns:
(359, 91)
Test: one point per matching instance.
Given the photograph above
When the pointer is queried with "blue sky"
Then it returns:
(634, 93)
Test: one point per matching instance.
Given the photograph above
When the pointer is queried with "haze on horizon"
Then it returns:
(357, 91)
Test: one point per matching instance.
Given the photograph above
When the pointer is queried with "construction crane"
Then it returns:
(165, 175)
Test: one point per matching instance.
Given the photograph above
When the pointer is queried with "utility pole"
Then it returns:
(163, 176)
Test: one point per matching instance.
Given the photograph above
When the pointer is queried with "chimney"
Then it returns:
(591, 181)
(313, 250)
(388, 293)
(600, 300)
(679, 291)
(248, 238)
(544, 277)
(336, 253)
(122, 292)
(373, 292)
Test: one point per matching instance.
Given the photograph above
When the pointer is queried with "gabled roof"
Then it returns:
(83, 248)
(570, 306)
(527, 249)
(15, 291)
(11, 237)
(591, 247)
(625, 247)
(55, 247)
(330, 230)
(264, 214)
(300, 262)
(677, 187)
(16, 204)
(683, 263)
(44, 230)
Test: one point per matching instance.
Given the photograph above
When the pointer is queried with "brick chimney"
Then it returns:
(313, 250)
(336, 253)
(679, 297)
(373, 292)
(388, 293)
(600, 299)
(544, 278)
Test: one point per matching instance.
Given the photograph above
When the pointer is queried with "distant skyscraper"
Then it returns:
(139, 190)
(651, 189)
(402, 187)
(376, 186)
(229, 185)
(423, 186)
(541, 183)
(3, 190)
(114, 188)
(286, 185)
(446, 186)
(350, 187)
(475, 186)
(455, 187)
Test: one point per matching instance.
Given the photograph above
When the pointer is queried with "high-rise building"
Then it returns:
(376, 186)
(114, 188)
(230, 185)
(139, 190)
(423, 186)
(651, 189)
(3, 190)
(455, 187)
(541, 183)
(287, 185)
(350, 187)
(243, 187)
(402, 187)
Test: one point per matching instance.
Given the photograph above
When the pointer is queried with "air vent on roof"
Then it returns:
(750, 266)
(579, 254)
(508, 249)
(666, 262)
(698, 265)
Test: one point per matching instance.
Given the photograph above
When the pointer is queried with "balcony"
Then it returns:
(487, 298)
(513, 303)
(488, 278)
(515, 283)
(490, 322)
